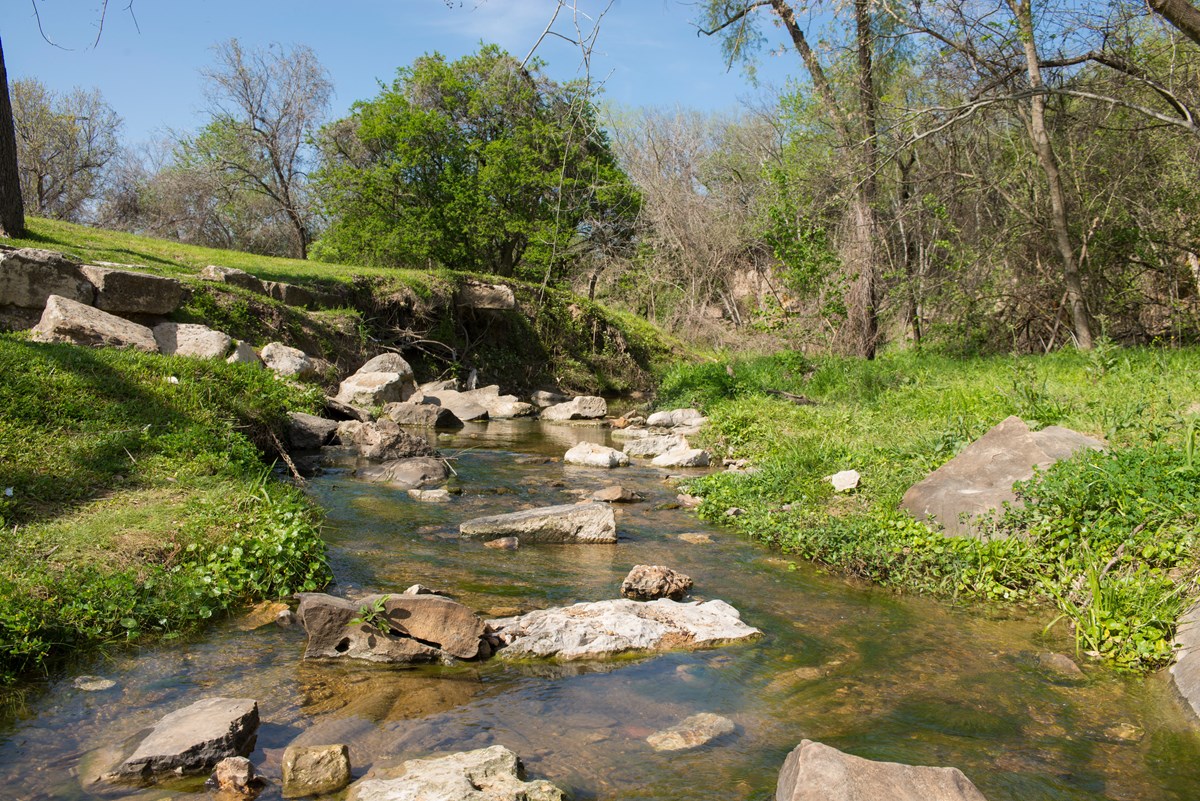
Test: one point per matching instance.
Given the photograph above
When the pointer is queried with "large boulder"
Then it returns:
(607, 628)
(571, 523)
(682, 456)
(489, 774)
(654, 445)
(384, 440)
(692, 732)
(415, 473)
(388, 363)
(307, 432)
(194, 739)
(1185, 673)
(817, 772)
(650, 582)
(499, 407)
(473, 295)
(374, 389)
(675, 417)
(411, 628)
(29, 276)
(66, 320)
(315, 769)
(290, 362)
(233, 277)
(461, 405)
(980, 479)
(584, 407)
(421, 415)
(191, 339)
(589, 454)
(129, 292)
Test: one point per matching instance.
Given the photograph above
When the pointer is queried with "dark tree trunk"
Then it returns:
(12, 210)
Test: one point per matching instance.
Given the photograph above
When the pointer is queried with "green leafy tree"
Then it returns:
(477, 164)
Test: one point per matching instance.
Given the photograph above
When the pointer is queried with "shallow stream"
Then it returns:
(861, 669)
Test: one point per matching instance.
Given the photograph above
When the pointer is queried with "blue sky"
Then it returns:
(647, 52)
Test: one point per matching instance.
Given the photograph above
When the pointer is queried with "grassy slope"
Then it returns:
(1110, 540)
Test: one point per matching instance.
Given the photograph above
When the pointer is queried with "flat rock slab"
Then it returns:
(584, 407)
(499, 407)
(460, 404)
(30, 276)
(385, 441)
(682, 456)
(194, 739)
(649, 446)
(675, 417)
(65, 320)
(980, 479)
(570, 523)
(589, 454)
(233, 277)
(489, 774)
(607, 628)
(129, 292)
(421, 415)
(308, 432)
(191, 339)
(416, 473)
(421, 628)
(692, 732)
(816, 772)
(617, 495)
(1185, 673)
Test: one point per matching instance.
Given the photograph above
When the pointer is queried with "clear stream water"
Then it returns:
(876, 674)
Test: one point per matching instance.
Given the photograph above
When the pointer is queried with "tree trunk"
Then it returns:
(12, 210)
(1080, 323)
(1180, 13)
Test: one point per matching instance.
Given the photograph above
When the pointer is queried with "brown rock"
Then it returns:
(503, 544)
(234, 776)
(617, 495)
(648, 582)
(415, 473)
(816, 772)
(384, 440)
(315, 770)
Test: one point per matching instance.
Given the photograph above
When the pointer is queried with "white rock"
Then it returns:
(374, 389)
(654, 445)
(191, 339)
(589, 454)
(388, 363)
(570, 523)
(489, 774)
(584, 407)
(845, 480)
(675, 417)
(682, 457)
(66, 320)
(430, 496)
(289, 362)
(243, 353)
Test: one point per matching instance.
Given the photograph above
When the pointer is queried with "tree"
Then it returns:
(265, 106)
(478, 164)
(64, 145)
(12, 211)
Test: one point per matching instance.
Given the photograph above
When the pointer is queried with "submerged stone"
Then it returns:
(817, 772)
(194, 739)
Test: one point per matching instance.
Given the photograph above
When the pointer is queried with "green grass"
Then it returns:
(1107, 539)
(140, 500)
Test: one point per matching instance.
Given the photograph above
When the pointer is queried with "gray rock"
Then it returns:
(93, 684)
(682, 456)
(489, 774)
(415, 473)
(315, 769)
(543, 398)
(290, 362)
(385, 441)
(675, 417)
(16, 318)
(421, 628)
(845, 480)
(421, 415)
(292, 295)
(194, 739)
(374, 389)
(692, 732)
(980, 479)
(617, 494)
(650, 582)
(347, 431)
(473, 295)
(66, 320)
(344, 411)
(307, 432)
(816, 772)
(29, 276)
(234, 775)
(499, 407)
(191, 339)
(584, 407)
(244, 353)
(570, 523)
(128, 292)
(589, 454)
(233, 277)
(654, 445)
(459, 403)
(388, 363)
(1185, 673)
(607, 628)
(430, 495)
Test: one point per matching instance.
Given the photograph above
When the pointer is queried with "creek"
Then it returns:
(862, 669)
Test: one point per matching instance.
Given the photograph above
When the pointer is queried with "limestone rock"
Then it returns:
(1185, 673)
(430, 495)
(607, 628)
(337, 410)
(570, 523)
(191, 339)
(584, 407)
(543, 398)
(845, 480)
(617, 494)
(233, 776)
(194, 739)
(128, 292)
(388, 363)
(374, 389)
(421, 415)
(93, 684)
(66, 320)
(307, 432)
(384, 440)
(499, 407)
(489, 774)
(292, 295)
(675, 417)
(262, 614)
(460, 404)
(696, 538)
(30, 276)
(421, 628)
(682, 457)
(589, 454)
(655, 445)
(980, 479)
(233, 277)
(347, 431)
(692, 732)
(474, 295)
(415, 473)
(315, 769)
(243, 353)
(290, 362)
(816, 772)
(649, 582)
